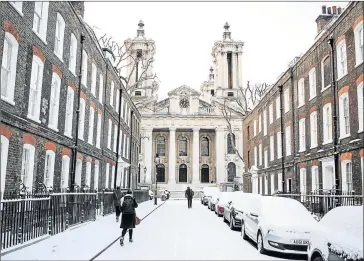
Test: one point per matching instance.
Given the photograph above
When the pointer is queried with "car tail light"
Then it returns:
(221, 209)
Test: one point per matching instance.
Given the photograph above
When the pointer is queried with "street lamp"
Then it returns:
(145, 173)
(156, 161)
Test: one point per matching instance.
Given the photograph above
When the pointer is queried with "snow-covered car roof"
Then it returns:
(225, 197)
(242, 201)
(208, 191)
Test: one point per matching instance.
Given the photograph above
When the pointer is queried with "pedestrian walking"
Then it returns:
(189, 194)
(117, 195)
(128, 218)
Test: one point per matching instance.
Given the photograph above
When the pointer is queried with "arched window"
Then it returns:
(183, 146)
(161, 177)
(182, 177)
(231, 171)
(205, 175)
(161, 146)
(230, 142)
(205, 146)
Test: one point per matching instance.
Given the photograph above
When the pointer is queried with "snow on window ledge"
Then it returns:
(40, 37)
(31, 117)
(6, 99)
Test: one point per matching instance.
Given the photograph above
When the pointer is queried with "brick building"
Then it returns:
(41, 47)
(306, 103)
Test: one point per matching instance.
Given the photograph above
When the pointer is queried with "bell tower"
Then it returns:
(227, 58)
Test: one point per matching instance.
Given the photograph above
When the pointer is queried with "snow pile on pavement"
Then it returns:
(81, 243)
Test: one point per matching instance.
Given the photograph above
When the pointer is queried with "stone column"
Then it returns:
(234, 70)
(240, 71)
(220, 151)
(172, 156)
(221, 69)
(196, 155)
(225, 69)
(148, 142)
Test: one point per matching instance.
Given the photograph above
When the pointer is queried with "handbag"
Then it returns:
(137, 220)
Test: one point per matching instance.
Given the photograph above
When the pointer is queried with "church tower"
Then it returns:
(208, 87)
(139, 63)
(227, 58)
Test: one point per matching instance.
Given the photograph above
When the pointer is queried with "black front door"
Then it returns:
(205, 175)
(182, 177)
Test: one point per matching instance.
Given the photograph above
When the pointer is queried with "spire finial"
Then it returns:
(227, 33)
(140, 31)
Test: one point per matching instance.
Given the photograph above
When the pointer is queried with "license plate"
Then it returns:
(300, 242)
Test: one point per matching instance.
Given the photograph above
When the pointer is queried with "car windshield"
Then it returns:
(225, 197)
(211, 191)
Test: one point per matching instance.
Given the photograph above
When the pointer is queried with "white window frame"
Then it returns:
(101, 87)
(266, 158)
(112, 87)
(49, 168)
(359, 50)
(313, 130)
(301, 92)
(272, 185)
(54, 102)
(109, 129)
(73, 54)
(69, 112)
(112, 176)
(302, 134)
(286, 100)
(344, 117)
(81, 124)
(40, 29)
(119, 145)
(271, 113)
(280, 182)
(29, 181)
(265, 127)
(279, 145)
(266, 191)
(323, 87)
(84, 68)
(59, 37)
(360, 107)
(260, 185)
(260, 150)
(255, 156)
(271, 144)
(260, 123)
(18, 6)
(303, 181)
(347, 177)
(88, 175)
(93, 79)
(36, 83)
(315, 179)
(115, 137)
(65, 172)
(96, 175)
(342, 61)
(9, 68)
(278, 107)
(98, 134)
(327, 124)
(312, 82)
(122, 107)
(288, 140)
(78, 172)
(91, 125)
(117, 100)
(107, 174)
(4, 161)
(255, 128)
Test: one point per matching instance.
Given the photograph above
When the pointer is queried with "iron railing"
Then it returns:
(31, 216)
(321, 203)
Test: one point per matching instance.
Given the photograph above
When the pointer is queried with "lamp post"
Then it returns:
(145, 173)
(156, 161)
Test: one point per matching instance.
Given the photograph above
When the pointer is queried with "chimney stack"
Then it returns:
(79, 6)
(334, 9)
(339, 10)
(324, 9)
(324, 18)
(329, 10)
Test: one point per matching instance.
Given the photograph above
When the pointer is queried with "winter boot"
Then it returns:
(130, 240)
(121, 241)
(117, 219)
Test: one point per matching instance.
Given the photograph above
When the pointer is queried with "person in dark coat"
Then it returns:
(189, 195)
(116, 197)
(128, 206)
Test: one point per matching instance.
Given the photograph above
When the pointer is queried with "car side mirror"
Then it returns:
(253, 214)
(230, 202)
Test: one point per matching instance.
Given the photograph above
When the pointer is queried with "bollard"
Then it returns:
(82, 216)
(49, 225)
(20, 235)
(67, 224)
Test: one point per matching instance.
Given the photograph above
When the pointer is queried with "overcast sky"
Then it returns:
(185, 32)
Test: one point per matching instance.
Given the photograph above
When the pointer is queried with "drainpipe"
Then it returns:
(104, 109)
(293, 130)
(130, 145)
(280, 87)
(75, 148)
(118, 137)
(334, 111)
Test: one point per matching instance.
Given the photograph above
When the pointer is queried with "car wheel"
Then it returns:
(231, 224)
(243, 231)
(260, 244)
(318, 257)
(208, 206)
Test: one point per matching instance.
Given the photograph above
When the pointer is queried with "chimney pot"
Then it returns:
(324, 9)
(339, 10)
(334, 10)
(329, 10)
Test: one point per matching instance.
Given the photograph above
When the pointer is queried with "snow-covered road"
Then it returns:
(174, 232)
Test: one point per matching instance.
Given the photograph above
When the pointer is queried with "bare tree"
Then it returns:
(137, 61)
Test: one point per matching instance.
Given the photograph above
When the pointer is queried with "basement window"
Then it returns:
(230, 94)
(138, 93)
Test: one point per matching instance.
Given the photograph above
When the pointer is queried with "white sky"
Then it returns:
(185, 32)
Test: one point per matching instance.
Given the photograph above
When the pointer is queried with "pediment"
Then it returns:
(184, 90)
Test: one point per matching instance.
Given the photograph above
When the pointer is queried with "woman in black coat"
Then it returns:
(128, 206)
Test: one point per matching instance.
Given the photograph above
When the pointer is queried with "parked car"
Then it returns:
(151, 194)
(234, 212)
(207, 193)
(224, 199)
(212, 201)
(278, 224)
(339, 236)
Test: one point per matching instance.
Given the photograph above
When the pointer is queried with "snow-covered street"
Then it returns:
(171, 232)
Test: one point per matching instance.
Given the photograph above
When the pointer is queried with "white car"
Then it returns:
(207, 193)
(212, 201)
(224, 199)
(339, 236)
(278, 224)
(234, 212)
